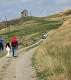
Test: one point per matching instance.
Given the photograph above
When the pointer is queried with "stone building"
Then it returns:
(24, 13)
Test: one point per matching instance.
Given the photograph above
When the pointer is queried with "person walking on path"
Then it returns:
(8, 49)
(14, 44)
(1, 44)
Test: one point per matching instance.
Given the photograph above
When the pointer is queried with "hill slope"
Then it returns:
(52, 60)
(29, 29)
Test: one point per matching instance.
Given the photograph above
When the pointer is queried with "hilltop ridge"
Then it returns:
(66, 14)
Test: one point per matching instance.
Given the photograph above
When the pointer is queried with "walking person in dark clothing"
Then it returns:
(14, 44)
(1, 47)
(1, 44)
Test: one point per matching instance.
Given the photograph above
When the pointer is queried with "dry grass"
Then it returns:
(52, 60)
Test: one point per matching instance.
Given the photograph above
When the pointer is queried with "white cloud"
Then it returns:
(61, 1)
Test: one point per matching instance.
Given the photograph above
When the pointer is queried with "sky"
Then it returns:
(12, 8)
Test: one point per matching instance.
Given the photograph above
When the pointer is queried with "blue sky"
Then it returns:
(12, 8)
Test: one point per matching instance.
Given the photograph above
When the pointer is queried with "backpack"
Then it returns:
(14, 41)
(1, 40)
(14, 44)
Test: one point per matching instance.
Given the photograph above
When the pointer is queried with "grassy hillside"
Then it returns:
(52, 60)
(29, 29)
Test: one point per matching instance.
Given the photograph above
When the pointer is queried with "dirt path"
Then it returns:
(19, 68)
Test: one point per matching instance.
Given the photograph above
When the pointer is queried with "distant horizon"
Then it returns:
(39, 8)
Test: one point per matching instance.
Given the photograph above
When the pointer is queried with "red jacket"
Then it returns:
(14, 42)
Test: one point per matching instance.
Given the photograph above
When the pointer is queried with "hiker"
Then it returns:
(1, 44)
(8, 48)
(14, 44)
